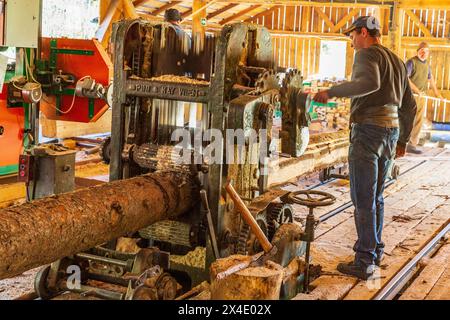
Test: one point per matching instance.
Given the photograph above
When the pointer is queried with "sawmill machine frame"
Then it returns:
(243, 93)
(230, 85)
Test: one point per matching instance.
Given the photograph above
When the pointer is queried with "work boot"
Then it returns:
(378, 261)
(356, 270)
(413, 149)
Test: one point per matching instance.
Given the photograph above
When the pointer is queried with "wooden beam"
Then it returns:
(269, 10)
(432, 41)
(240, 14)
(419, 23)
(103, 9)
(163, 8)
(186, 13)
(425, 4)
(319, 3)
(108, 18)
(198, 30)
(346, 19)
(129, 9)
(221, 10)
(138, 3)
(324, 17)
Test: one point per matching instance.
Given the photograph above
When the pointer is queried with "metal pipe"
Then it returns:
(121, 263)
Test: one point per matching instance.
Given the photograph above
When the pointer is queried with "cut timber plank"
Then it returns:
(441, 290)
(10, 193)
(328, 288)
(68, 129)
(315, 158)
(429, 276)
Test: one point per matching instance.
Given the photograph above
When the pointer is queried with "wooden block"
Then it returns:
(70, 143)
(69, 129)
(328, 288)
(252, 283)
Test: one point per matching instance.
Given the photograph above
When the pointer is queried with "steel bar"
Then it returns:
(395, 285)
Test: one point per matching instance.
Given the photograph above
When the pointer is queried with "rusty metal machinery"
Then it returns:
(66, 79)
(231, 87)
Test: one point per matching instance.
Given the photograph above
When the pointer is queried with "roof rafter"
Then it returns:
(273, 8)
(138, 3)
(240, 14)
(186, 13)
(165, 7)
(221, 10)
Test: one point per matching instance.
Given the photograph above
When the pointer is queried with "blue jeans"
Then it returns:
(372, 149)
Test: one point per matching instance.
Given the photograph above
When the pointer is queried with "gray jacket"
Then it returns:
(380, 91)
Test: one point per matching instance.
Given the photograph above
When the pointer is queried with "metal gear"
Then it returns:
(278, 214)
(40, 284)
(105, 150)
(268, 80)
(294, 79)
(247, 242)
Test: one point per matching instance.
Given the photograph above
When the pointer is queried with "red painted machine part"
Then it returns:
(12, 121)
(98, 66)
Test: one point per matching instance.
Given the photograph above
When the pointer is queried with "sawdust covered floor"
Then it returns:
(417, 205)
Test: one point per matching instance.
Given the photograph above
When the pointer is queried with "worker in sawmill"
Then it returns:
(382, 115)
(419, 73)
(178, 47)
(173, 17)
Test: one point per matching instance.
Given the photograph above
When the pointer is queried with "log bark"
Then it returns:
(43, 231)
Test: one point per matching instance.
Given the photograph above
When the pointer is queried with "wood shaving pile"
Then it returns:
(174, 79)
(194, 258)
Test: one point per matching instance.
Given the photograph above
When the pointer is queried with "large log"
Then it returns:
(45, 230)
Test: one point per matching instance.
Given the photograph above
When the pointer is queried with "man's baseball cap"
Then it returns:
(172, 15)
(368, 22)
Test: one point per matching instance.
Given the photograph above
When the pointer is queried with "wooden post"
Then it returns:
(395, 29)
(110, 12)
(198, 30)
(349, 59)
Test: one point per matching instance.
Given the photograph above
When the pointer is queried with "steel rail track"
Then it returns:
(400, 280)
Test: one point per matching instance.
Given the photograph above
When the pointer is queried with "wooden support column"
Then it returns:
(394, 38)
(129, 9)
(110, 12)
(198, 30)
(349, 60)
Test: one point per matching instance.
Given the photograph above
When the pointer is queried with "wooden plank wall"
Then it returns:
(432, 26)
(298, 30)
